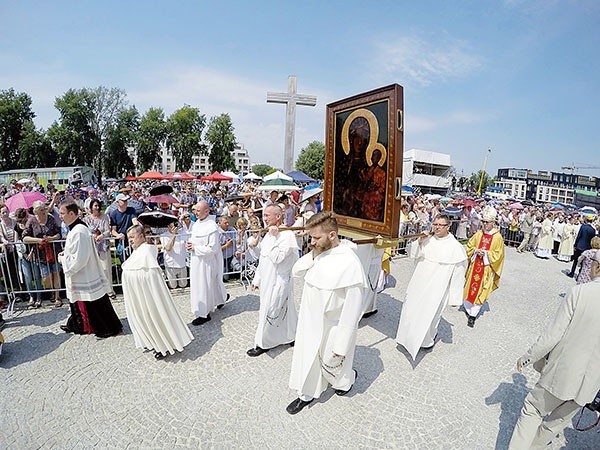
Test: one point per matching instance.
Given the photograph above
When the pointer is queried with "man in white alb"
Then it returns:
(277, 315)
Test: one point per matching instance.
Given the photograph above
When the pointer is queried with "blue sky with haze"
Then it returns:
(521, 77)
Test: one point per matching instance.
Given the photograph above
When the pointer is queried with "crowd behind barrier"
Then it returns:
(31, 271)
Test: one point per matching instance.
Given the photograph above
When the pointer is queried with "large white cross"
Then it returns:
(291, 98)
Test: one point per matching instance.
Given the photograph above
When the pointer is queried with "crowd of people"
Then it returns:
(215, 230)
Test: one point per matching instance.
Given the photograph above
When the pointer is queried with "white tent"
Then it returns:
(277, 175)
(251, 176)
(231, 175)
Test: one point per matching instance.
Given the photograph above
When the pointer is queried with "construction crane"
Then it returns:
(573, 168)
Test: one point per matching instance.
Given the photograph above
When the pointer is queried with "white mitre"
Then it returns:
(489, 214)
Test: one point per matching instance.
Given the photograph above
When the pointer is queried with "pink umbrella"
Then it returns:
(24, 200)
(162, 198)
(516, 205)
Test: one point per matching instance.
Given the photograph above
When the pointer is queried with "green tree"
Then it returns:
(475, 179)
(108, 105)
(120, 138)
(262, 169)
(222, 143)
(15, 114)
(151, 136)
(86, 115)
(311, 160)
(72, 136)
(184, 136)
(35, 149)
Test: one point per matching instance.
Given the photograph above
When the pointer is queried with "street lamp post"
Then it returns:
(483, 171)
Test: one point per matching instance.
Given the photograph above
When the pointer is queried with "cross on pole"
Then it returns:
(291, 98)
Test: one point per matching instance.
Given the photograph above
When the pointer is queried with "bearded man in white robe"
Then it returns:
(153, 318)
(437, 281)
(207, 291)
(277, 316)
(331, 307)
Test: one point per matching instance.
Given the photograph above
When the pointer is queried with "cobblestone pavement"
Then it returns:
(61, 391)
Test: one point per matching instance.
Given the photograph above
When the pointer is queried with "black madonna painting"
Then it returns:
(364, 160)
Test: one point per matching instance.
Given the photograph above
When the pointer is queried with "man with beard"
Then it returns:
(331, 307)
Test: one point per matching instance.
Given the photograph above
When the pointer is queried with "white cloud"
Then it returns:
(417, 61)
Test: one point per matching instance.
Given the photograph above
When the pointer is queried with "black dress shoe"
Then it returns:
(159, 355)
(471, 322)
(65, 328)
(297, 405)
(256, 351)
(369, 314)
(200, 320)
(340, 392)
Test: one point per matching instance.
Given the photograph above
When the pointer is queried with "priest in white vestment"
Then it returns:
(277, 316)
(437, 281)
(331, 307)
(207, 291)
(153, 318)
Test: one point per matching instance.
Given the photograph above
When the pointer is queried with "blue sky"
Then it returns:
(521, 77)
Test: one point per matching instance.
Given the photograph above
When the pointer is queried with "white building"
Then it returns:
(201, 166)
(430, 172)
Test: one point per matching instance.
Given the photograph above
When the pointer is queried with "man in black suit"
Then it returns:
(582, 242)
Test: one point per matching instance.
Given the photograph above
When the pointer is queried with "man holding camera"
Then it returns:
(567, 355)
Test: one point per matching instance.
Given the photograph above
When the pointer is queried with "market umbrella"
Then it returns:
(24, 200)
(162, 198)
(516, 205)
(135, 204)
(156, 219)
(407, 191)
(24, 181)
(278, 184)
(277, 175)
(469, 202)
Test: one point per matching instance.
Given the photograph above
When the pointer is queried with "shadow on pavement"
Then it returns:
(510, 396)
(30, 348)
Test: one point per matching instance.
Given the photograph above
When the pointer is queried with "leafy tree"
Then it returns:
(86, 117)
(475, 179)
(35, 149)
(121, 137)
(15, 114)
(184, 136)
(222, 143)
(151, 136)
(262, 169)
(73, 136)
(311, 160)
(109, 102)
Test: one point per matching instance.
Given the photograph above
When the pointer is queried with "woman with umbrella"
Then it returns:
(42, 229)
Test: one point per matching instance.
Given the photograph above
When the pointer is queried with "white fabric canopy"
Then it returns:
(277, 174)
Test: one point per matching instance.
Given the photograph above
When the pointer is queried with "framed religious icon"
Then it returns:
(363, 161)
